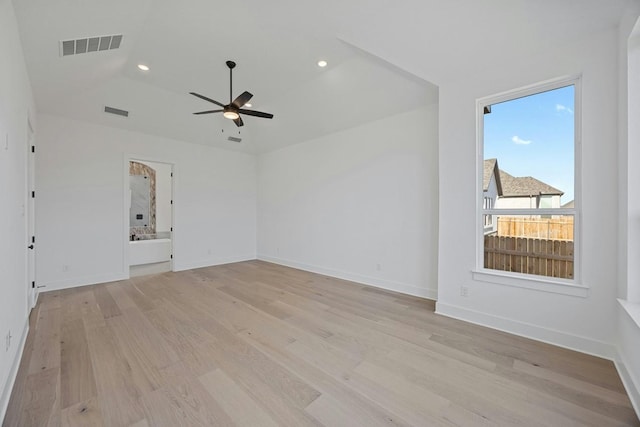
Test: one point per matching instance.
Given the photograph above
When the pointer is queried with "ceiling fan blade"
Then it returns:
(238, 121)
(209, 112)
(256, 113)
(242, 99)
(207, 99)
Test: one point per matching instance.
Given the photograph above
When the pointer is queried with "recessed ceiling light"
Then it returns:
(143, 67)
(248, 105)
(322, 63)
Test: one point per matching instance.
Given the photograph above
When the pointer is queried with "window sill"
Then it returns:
(632, 309)
(536, 283)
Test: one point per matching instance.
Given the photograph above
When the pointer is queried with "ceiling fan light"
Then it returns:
(231, 115)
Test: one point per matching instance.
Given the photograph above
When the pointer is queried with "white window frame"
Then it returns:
(542, 283)
(487, 204)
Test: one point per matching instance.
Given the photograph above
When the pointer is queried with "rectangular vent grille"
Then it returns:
(90, 44)
(234, 139)
(116, 111)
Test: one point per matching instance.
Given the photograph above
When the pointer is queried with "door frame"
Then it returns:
(32, 286)
(126, 199)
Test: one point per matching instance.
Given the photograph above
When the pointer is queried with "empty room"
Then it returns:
(330, 213)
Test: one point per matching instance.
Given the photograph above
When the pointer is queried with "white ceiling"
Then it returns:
(276, 45)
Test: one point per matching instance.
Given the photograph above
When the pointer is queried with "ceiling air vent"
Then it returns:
(90, 44)
(116, 111)
(234, 139)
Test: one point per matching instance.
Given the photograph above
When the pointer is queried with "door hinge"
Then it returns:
(171, 256)
(33, 239)
(33, 285)
(172, 202)
(33, 148)
(171, 228)
(33, 194)
(171, 174)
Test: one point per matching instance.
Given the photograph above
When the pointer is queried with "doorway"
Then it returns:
(149, 207)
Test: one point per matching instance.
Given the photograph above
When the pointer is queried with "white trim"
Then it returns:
(530, 281)
(529, 212)
(210, 262)
(83, 281)
(532, 89)
(404, 288)
(125, 214)
(125, 203)
(523, 279)
(630, 379)
(633, 391)
(528, 330)
(632, 309)
(13, 372)
(30, 218)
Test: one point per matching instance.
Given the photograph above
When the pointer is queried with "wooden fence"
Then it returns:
(553, 258)
(560, 228)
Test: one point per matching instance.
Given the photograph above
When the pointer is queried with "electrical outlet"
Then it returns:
(464, 291)
(7, 340)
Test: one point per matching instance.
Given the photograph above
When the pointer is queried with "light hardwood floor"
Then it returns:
(256, 344)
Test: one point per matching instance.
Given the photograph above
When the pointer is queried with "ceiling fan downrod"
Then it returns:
(231, 66)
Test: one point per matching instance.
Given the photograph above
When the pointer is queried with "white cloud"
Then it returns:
(520, 141)
(560, 108)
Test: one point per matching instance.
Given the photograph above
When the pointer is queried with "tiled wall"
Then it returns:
(136, 168)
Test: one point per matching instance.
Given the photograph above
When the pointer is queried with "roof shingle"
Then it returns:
(512, 186)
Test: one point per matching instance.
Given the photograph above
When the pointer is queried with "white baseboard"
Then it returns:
(633, 391)
(628, 346)
(13, 373)
(431, 294)
(210, 262)
(75, 282)
(527, 330)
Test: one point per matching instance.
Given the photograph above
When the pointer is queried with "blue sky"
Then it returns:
(534, 136)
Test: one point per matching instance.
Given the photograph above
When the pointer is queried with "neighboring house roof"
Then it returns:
(511, 186)
(570, 204)
(525, 186)
(491, 168)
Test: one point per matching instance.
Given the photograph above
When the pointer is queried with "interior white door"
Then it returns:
(31, 222)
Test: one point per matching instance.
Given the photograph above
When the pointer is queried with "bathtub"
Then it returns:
(149, 251)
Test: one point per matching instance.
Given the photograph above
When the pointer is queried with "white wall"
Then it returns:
(633, 177)
(492, 193)
(360, 204)
(15, 104)
(492, 62)
(628, 346)
(82, 175)
(587, 324)
(628, 333)
(163, 195)
(527, 202)
(516, 202)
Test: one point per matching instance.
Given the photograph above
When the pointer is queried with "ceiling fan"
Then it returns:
(233, 109)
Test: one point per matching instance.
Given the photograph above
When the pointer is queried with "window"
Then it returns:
(488, 204)
(528, 219)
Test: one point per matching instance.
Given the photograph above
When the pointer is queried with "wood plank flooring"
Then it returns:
(257, 344)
